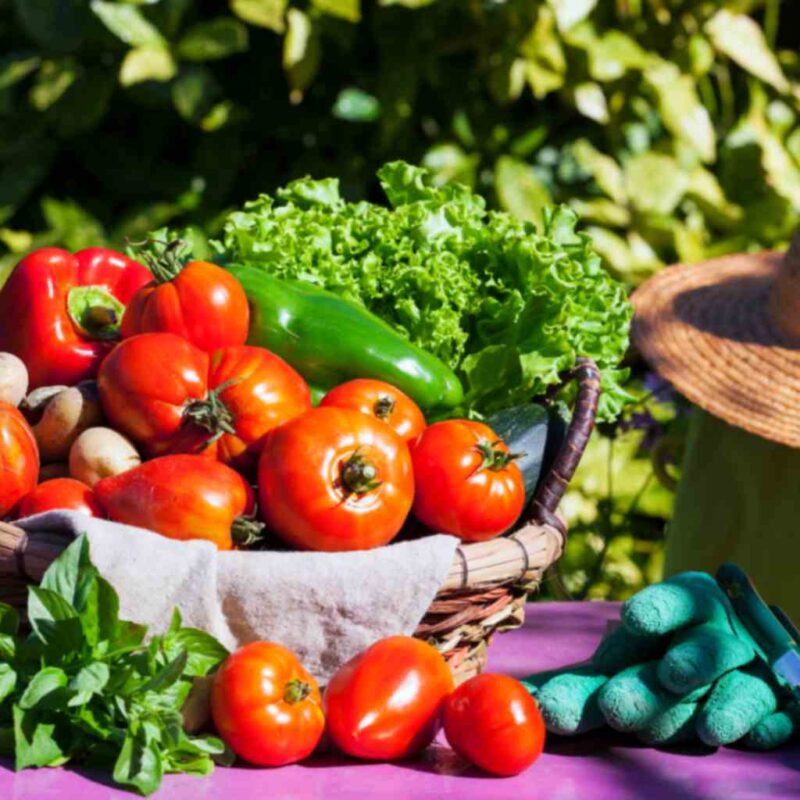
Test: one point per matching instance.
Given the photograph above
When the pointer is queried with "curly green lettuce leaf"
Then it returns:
(510, 307)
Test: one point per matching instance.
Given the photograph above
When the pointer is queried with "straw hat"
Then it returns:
(726, 334)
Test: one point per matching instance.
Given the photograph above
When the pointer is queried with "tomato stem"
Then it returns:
(247, 530)
(167, 262)
(384, 406)
(212, 413)
(359, 475)
(494, 457)
(296, 691)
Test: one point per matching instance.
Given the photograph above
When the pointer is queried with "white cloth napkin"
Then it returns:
(326, 607)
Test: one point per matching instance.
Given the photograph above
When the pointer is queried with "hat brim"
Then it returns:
(706, 328)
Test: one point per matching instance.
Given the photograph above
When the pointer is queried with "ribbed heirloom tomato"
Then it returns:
(60, 493)
(266, 705)
(386, 703)
(181, 497)
(199, 301)
(19, 458)
(492, 721)
(257, 391)
(466, 480)
(381, 400)
(335, 479)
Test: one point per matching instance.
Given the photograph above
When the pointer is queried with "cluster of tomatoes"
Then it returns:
(211, 417)
(386, 704)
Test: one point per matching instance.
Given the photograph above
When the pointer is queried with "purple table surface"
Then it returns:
(597, 766)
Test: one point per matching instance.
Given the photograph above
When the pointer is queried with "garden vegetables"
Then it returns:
(60, 313)
(507, 305)
(19, 458)
(330, 339)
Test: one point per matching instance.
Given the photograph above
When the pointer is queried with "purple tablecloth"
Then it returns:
(600, 767)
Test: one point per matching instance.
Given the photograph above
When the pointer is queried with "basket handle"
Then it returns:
(551, 489)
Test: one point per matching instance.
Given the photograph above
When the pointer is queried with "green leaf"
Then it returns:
(90, 681)
(15, 67)
(214, 39)
(52, 80)
(571, 12)
(41, 687)
(344, 9)
(8, 680)
(147, 63)
(449, 162)
(741, 39)
(604, 169)
(519, 190)
(204, 653)
(264, 13)
(9, 619)
(611, 55)
(34, 742)
(72, 226)
(681, 110)
(301, 51)
(127, 23)
(355, 105)
(591, 102)
(544, 65)
(194, 93)
(655, 183)
(407, 3)
(63, 575)
(167, 675)
(139, 763)
(54, 621)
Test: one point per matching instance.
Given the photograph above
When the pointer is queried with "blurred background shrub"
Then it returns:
(671, 126)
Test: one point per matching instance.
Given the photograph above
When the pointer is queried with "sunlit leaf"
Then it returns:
(604, 169)
(147, 64)
(345, 9)
(15, 67)
(127, 23)
(605, 212)
(52, 80)
(264, 13)
(655, 183)
(355, 105)
(213, 39)
(449, 162)
(301, 53)
(519, 190)
(741, 39)
(591, 102)
(571, 12)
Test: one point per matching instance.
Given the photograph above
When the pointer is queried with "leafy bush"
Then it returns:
(670, 126)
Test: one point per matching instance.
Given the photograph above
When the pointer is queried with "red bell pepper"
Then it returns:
(61, 313)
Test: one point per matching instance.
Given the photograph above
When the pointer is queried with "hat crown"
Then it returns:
(785, 295)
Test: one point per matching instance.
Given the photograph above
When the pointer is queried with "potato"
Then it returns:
(99, 453)
(13, 379)
(65, 416)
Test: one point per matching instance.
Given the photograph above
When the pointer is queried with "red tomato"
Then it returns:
(61, 493)
(385, 704)
(200, 302)
(181, 497)
(266, 705)
(146, 385)
(381, 400)
(335, 479)
(466, 481)
(492, 721)
(261, 391)
(19, 458)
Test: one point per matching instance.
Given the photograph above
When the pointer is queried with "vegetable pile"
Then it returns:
(248, 405)
(507, 306)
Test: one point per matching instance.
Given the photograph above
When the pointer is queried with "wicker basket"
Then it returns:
(488, 583)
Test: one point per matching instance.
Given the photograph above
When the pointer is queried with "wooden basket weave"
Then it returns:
(488, 583)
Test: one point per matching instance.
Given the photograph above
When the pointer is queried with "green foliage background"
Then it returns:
(671, 126)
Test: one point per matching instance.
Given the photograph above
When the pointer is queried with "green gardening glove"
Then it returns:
(680, 667)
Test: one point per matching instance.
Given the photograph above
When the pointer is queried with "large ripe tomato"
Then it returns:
(146, 385)
(266, 705)
(181, 497)
(335, 479)
(60, 493)
(492, 721)
(385, 704)
(466, 481)
(200, 302)
(258, 391)
(19, 458)
(381, 400)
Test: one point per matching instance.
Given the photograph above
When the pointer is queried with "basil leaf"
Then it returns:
(41, 688)
(54, 620)
(9, 619)
(34, 742)
(63, 574)
(8, 680)
(204, 652)
(89, 681)
(139, 763)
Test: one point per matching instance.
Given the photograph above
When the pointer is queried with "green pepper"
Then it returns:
(329, 339)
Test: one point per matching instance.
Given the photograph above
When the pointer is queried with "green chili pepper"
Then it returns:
(329, 339)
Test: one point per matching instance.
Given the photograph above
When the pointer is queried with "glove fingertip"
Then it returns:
(568, 703)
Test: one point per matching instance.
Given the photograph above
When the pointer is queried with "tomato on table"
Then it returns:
(466, 480)
(198, 301)
(492, 721)
(386, 703)
(60, 493)
(60, 313)
(182, 497)
(335, 479)
(19, 458)
(380, 400)
(256, 391)
(266, 705)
